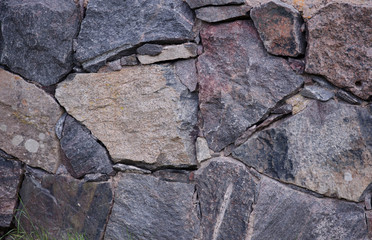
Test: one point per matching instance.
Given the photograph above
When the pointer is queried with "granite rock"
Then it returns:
(226, 192)
(239, 82)
(222, 13)
(171, 52)
(318, 93)
(130, 60)
(37, 38)
(63, 205)
(283, 213)
(186, 71)
(149, 208)
(128, 24)
(11, 174)
(339, 47)
(150, 49)
(142, 114)
(279, 26)
(84, 154)
(27, 122)
(202, 150)
(201, 3)
(326, 148)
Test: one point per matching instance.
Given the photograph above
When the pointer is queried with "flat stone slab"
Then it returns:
(239, 82)
(221, 13)
(142, 114)
(339, 47)
(283, 213)
(201, 3)
(149, 208)
(28, 118)
(37, 38)
(326, 148)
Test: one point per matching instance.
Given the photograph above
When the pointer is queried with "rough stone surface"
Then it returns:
(129, 23)
(201, 3)
(11, 174)
(84, 154)
(37, 38)
(28, 117)
(130, 169)
(186, 71)
(298, 103)
(142, 114)
(239, 81)
(347, 97)
(148, 208)
(130, 60)
(63, 205)
(226, 191)
(340, 47)
(288, 214)
(326, 148)
(318, 93)
(171, 52)
(202, 150)
(279, 26)
(150, 49)
(217, 14)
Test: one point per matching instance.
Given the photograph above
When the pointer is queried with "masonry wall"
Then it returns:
(206, 119)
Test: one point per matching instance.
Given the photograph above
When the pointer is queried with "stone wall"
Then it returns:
(194, 119)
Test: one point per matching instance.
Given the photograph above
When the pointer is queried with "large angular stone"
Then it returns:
(201, 3)
(326, 148)
(84, 154)
(283, 213)
(37, 38)
(28, 117)
(63, 205)
(11, 174)
(226, 191)
(127, 24)
(149, 208)
(279, 26)
(221, 13)
(239, 81)
(340, 47)
(142, 114)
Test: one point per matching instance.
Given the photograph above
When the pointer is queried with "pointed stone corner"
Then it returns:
(239, 82)
(128, 24)
(226, 192)
(34, 45)
(27, 122)
(325, 148)
(339, 47)
(143, 114)
(284, 213)
(279, 25)
(146, 207)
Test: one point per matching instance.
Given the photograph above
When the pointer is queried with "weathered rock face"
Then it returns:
(340, 48)
(239, 81)
(201, 3)
(279, 26)
(148, 208)
(37, 38)
(62, 205)
(216, 14)
(129, 23)
(226, 192)
(186, 71)
(84, 154)
(289, 214)
(326, 148)
(11, 174)
(142, 114)
(315, 92)
(28, 117)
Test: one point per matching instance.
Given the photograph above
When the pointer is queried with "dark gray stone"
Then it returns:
(347, 97)
(149, 208)
(37, 38)
(96, 177)
(10, 178)
(226, 191)
(186, 71)
(59, 125)
(318, 93)
(283, 213)
(130, 60)
(85, 155)
(279, 25)
(128, 24)
(63, 205)
(239, 82)
(201, 3)
(326, 148)
(222, 13)
(150, 49)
